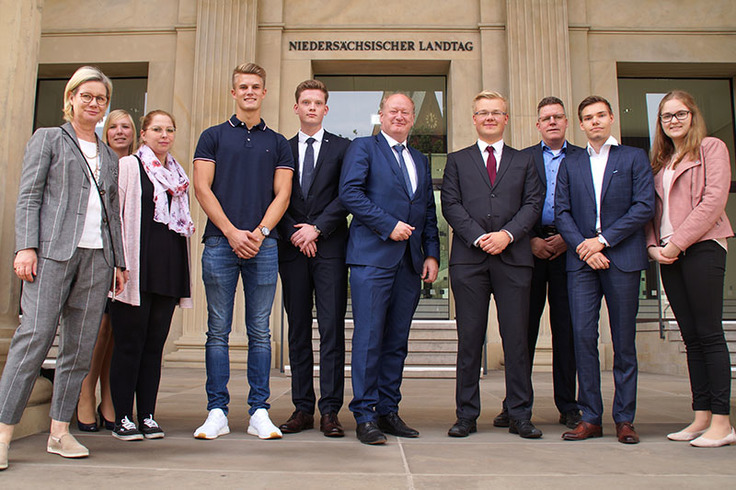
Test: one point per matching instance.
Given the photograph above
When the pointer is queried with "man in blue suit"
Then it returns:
(604, 197)
(393, 244)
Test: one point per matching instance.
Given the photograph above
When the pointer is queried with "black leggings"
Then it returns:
(694, 287)
(135, 370)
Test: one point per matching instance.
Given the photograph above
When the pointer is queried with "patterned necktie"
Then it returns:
(491, 164)
(308, 168)
(400, 151)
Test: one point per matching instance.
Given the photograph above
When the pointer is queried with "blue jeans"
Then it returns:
(220, 271)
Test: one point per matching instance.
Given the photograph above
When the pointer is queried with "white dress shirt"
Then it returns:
(408, 160)
(303, 137)
(92, 231)
(598, 163)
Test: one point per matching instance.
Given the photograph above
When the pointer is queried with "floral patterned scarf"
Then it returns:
(168, 179)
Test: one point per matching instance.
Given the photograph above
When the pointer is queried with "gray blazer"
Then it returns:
(53, 195)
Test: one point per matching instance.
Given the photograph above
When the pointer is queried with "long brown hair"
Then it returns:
(663, 147)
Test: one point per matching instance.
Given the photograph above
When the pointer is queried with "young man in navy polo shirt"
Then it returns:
(242, 180)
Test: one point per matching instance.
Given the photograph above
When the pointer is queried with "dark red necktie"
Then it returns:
(491, 164)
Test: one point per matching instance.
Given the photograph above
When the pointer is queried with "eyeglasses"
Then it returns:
(485, 114)
(87, 99)
(556, 117)
(159, 130)
(679, 115)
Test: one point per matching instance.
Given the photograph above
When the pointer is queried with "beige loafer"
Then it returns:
(726, 441)
(3, 456)
(684, 436)
(66, 446)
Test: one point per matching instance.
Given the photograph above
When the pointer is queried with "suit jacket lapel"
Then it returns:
(294, 144)
(392, 160)
(323, 150)
(539, 163)
(503, 165)
(611, 169)
(480, 165)
(416, 155)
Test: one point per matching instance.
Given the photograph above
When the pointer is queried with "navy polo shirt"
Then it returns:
(245, 163)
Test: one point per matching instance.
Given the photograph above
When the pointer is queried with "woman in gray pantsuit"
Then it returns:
(68, 243)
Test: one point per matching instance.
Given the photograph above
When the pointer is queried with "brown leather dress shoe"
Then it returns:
(330, 425)
(626, 433)
(583, 431)
(298, 422)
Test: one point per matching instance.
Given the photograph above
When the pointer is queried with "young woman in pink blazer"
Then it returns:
(692, 177)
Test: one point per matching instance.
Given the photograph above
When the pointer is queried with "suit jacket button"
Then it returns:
(488, 216)
(102, 192)
(493, 195)
(104, 220)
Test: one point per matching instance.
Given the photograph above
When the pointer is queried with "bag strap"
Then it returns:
(97, 186)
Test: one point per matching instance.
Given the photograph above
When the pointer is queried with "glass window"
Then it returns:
(639, 99)
(128, 93)
(354, 102)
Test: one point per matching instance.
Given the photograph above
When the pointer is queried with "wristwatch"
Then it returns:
(265, 231)
(317, 230)
(602, 241)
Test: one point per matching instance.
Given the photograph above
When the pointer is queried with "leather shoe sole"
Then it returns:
(462, 428)
(369, 433)
(501, 420)
(583, 431)
(524, 429)
(298, 422)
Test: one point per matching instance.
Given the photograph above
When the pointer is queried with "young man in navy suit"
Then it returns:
(312, 237)
(549, 278)
(604, 198)
(491, 197)
(393, 246)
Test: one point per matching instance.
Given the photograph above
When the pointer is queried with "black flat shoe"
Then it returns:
(87, 427)
(106, 424)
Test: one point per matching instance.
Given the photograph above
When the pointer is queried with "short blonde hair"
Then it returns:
(249, 69)
(83, 75)
(388, 95)
(116, 115)
(490, 95)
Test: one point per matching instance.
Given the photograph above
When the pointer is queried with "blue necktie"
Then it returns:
(400, 150)
(308, 168)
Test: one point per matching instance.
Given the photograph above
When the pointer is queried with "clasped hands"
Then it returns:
(589, 252)
(664, 255)
(548, 248)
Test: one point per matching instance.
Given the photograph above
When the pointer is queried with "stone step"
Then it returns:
(425, 372)
(415, 358)
(415, 345)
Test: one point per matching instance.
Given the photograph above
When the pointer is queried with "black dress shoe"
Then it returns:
(502, 419)
(462, 428)
(106, 424)
(392, 424)
(369, 433)
(570, 419)
(298, 422)
(330, 425)
(87, 427)
(525, 429)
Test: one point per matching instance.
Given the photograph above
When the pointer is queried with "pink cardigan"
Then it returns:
(697, 199)
(129, 196)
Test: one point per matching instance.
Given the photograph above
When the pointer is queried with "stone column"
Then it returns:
(539, 62)
(225, 37)
(20, 39)
(18, 69)
(539, 66)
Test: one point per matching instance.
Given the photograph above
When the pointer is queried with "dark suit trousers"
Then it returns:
(472, 286)
(694, 286)
(384, 301)
(549, 281)
(621, 289)
(327, 279)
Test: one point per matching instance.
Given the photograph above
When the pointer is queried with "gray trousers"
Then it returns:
(72, 295)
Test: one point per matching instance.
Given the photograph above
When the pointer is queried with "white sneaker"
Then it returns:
(214, 426)
(261, 426)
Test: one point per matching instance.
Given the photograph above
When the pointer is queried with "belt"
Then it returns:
(549, 230)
